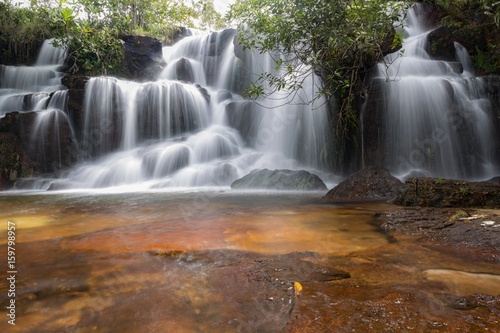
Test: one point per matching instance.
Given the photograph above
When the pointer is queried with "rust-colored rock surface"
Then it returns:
(225, 262)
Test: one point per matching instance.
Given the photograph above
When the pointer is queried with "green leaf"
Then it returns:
(67, 14)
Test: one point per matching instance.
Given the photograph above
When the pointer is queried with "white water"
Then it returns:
(172, 133)
(46, 137)
(28, 88)
(438, 116)
(38, 88)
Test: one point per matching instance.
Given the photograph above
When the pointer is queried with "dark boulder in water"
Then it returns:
(184, 70)
(368, 183)
(280, 180)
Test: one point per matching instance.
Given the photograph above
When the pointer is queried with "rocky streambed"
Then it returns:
(228, 261)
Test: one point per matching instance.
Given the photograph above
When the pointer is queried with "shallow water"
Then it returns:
(223, 261)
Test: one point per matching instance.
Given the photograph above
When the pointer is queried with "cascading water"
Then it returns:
(26, 88)
(438, 118)
(192, 127)
(37, 92)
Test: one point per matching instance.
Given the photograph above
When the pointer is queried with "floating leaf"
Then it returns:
(297, 287)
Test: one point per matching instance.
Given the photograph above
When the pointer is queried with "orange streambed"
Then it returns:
(225, 261)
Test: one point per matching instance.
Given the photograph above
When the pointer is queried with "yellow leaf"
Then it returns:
(298, 288)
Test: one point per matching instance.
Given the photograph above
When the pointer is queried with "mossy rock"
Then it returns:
(436, 192)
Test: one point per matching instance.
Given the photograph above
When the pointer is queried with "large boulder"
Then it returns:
(368, 183)
(280, 180)
(143, 57)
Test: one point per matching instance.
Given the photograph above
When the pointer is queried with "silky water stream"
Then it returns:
(225, 261)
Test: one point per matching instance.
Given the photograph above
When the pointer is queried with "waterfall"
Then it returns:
(47, 138)
(438, 118)
(192, 127)
(50, 54)
(27, 88)
(45, 130)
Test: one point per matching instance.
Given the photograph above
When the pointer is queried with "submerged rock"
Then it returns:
(280, 180)
(368, 183)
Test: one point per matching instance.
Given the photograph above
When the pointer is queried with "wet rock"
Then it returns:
(76, 97)
(180, 33)
(368, 183)
(224, 95)
(494, 180)
(19, 51)
(204, 92)
(470, 302)
(290, 267)
(184, 70)
(224, 175)
(441, 44)
(280, 180)
(244, 75)
(60, 185)
(161, 164)
(241, 116)
(219, 40)
(31, 183)
(53, 149)
(461, 232)
(14, 162)
(432, 14)
(75, 81)
(374, 123)
(437, 192)
(442, 41)
(143, 57)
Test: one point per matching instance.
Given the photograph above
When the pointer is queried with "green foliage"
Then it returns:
(90, 29)
(485, 62)
(479, 21)
(21, 29)
(456, 8)
(336, 40)
(25, 23)
(208, 16)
